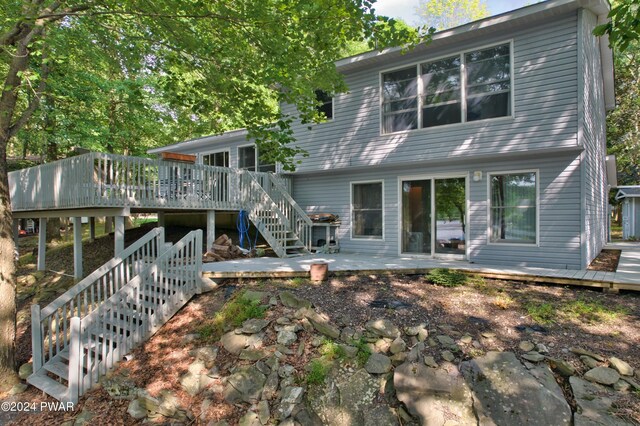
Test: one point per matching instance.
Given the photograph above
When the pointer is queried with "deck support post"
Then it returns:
(16, 231)
(42, 243)
(161, 219)
(92, 229)
(119, 235)
(77, 248)
(211, 228)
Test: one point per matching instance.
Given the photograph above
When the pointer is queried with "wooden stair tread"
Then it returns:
(58, 368)
(48, 385)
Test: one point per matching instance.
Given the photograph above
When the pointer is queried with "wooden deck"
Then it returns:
(97, 180)
(626, 278)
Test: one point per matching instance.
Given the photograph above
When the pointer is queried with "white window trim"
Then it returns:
(257, 157)
(238, 155)
(463, 89)
(333, 112)
(512, 172)
(351, 224)
(217, 151)
(432, 178)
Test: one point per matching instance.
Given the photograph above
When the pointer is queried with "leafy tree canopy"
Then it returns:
(623, 27)
(123, 76)
(444, 14)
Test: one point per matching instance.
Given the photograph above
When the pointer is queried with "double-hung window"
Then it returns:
(470, 86)
(400, 100)
(513, 208)
(249, 159)
(366, 210)
(218, 159)
(325, 104)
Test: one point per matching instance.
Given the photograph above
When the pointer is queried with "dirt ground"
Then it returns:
(559, 317)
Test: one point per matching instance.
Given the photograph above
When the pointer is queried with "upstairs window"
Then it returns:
(471, 86)
(325, 106)
(400, 100)
(488, 83)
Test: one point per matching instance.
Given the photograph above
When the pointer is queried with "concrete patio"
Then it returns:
(626, 278)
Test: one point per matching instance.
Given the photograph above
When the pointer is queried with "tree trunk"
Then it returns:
(53, 229)
(8, 375)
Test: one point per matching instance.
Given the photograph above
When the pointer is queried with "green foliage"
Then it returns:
(623, 27)
(591, 311)
(447, 277)
(129, 75)
(444, 14)
(331, 350)
(318, 369)
(233, 314)
(542, 313)
(364, 352)
(20, 164)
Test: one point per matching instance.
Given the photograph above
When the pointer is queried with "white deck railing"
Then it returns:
(107, 180)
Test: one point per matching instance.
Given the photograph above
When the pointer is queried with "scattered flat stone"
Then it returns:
(349, 351)
(414, 330)
(383, 327)
(447, 356)
(253, 325)
(193, 384)
(263, 412)
(322, 325)
(286, 337)
(253, 354)
(234, 343)
(594, 404)
(507, 394)
(398, 345)
(84, 418)
(603, 375)
(435, 396)
(399, 358)
(430, 362)
(378, 364)
(271, 385)
(635, 385)
(423, 335)
(541, 348)
(621, 366)
(415, 353)
(526, 346)
(290, 300)
(245, 384)
(562, 367)
(254, 296)
(466, 339)
(25, 370)
(621, 386)
(283, 321)
(291, 397)
(588, 361)
(382, 345)
(382, 415)
(286, 371)
(206, 354)
(18, 388)
(249, 419)
(445, 340)
(136, 410)
(488, 334)
(580, 351)
(533, 356)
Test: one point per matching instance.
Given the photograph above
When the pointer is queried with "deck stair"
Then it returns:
(82, 334)
(280, 220)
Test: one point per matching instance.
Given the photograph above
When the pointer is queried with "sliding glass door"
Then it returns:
(434, 216)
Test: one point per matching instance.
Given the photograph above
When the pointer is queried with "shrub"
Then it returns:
(543, 313)
(318, 370)
(447, 277)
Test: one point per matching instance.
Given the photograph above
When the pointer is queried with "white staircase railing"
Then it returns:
(280, 220)
(96, 340)
(50, 327)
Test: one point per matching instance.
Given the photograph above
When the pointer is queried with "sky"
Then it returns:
(405, 9)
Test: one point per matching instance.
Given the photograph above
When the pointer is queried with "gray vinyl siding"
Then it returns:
(546, 114)
(593, 138)
(559, 180)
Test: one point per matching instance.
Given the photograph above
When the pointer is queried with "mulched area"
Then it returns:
(606, 261)
(504, 308)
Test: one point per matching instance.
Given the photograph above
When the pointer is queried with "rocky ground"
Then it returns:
(379, 350)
